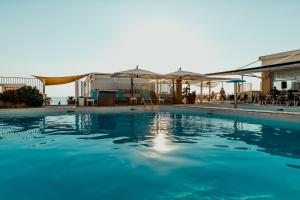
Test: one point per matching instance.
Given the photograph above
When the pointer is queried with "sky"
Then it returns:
(69, 37)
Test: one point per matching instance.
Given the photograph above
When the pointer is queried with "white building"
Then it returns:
(103, 82)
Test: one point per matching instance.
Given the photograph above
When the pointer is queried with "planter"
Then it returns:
(71, 102)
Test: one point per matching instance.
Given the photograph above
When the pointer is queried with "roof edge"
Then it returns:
(279, 55)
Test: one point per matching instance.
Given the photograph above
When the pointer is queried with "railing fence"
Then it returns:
(33, 82)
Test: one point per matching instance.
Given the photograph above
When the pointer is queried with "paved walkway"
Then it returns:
(255, 107)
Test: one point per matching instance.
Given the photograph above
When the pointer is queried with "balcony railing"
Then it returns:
(18, 81)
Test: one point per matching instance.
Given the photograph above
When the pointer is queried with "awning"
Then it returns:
(60, 80)
(274, 67)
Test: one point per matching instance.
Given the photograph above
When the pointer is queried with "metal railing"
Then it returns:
(33, 82)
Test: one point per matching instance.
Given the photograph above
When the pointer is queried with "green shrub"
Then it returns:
(27, 95)
(10, 96)
(30, 96)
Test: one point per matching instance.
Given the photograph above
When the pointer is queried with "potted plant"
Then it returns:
(191, 97)
(71, 100)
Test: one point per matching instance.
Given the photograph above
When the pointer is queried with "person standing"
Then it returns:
(262, 98)
(222, 94)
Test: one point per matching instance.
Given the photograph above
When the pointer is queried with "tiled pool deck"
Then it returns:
(255, 107)
(274, 113)
(244, 113)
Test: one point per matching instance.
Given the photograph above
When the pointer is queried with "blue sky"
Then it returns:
(67, 37)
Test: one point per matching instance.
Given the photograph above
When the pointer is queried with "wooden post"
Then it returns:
(179, 91)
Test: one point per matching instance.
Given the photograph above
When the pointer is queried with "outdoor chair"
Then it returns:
(161, 100)
(274, 99)
(153, 97)
(122, 97)
(145, 97)
(166, 98)
(292, 100)
(94, 97)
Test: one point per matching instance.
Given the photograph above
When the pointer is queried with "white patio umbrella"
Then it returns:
(183, 75)
(236, 81)
(136, 73)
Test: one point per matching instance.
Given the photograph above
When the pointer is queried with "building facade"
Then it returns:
(282, 79)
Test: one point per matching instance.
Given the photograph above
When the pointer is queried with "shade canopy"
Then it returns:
(59, 80)
(213, 78)
(137, 73)
(183, 75)
(274, 67)
(236, 81)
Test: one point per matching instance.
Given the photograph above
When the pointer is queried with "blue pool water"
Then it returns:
(160, 155)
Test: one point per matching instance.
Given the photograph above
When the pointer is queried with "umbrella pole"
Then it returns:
(131, 80)
(157, 87)
(160, 87)
(209, 91)
(173, 91)
(235, 94)
(201, 92)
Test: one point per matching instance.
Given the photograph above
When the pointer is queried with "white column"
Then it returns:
(76, 90)
(44, 91)
(44, 88)
(82, 88)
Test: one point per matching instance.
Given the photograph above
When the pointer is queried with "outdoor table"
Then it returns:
(161, 100)
(133, 100)
(90, 102)
(81, 102)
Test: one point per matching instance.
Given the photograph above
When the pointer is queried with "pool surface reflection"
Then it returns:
(151, 155)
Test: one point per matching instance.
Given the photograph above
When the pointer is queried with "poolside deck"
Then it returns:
(211, 109)
(268, 107)
(218, 109)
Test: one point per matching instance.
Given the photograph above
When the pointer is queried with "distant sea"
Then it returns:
(62, 100)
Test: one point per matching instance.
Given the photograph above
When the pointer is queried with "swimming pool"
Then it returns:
(147, 155)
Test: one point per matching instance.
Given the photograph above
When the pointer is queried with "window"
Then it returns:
(291, 77)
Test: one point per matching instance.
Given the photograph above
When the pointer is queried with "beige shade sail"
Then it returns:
(59, 80)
